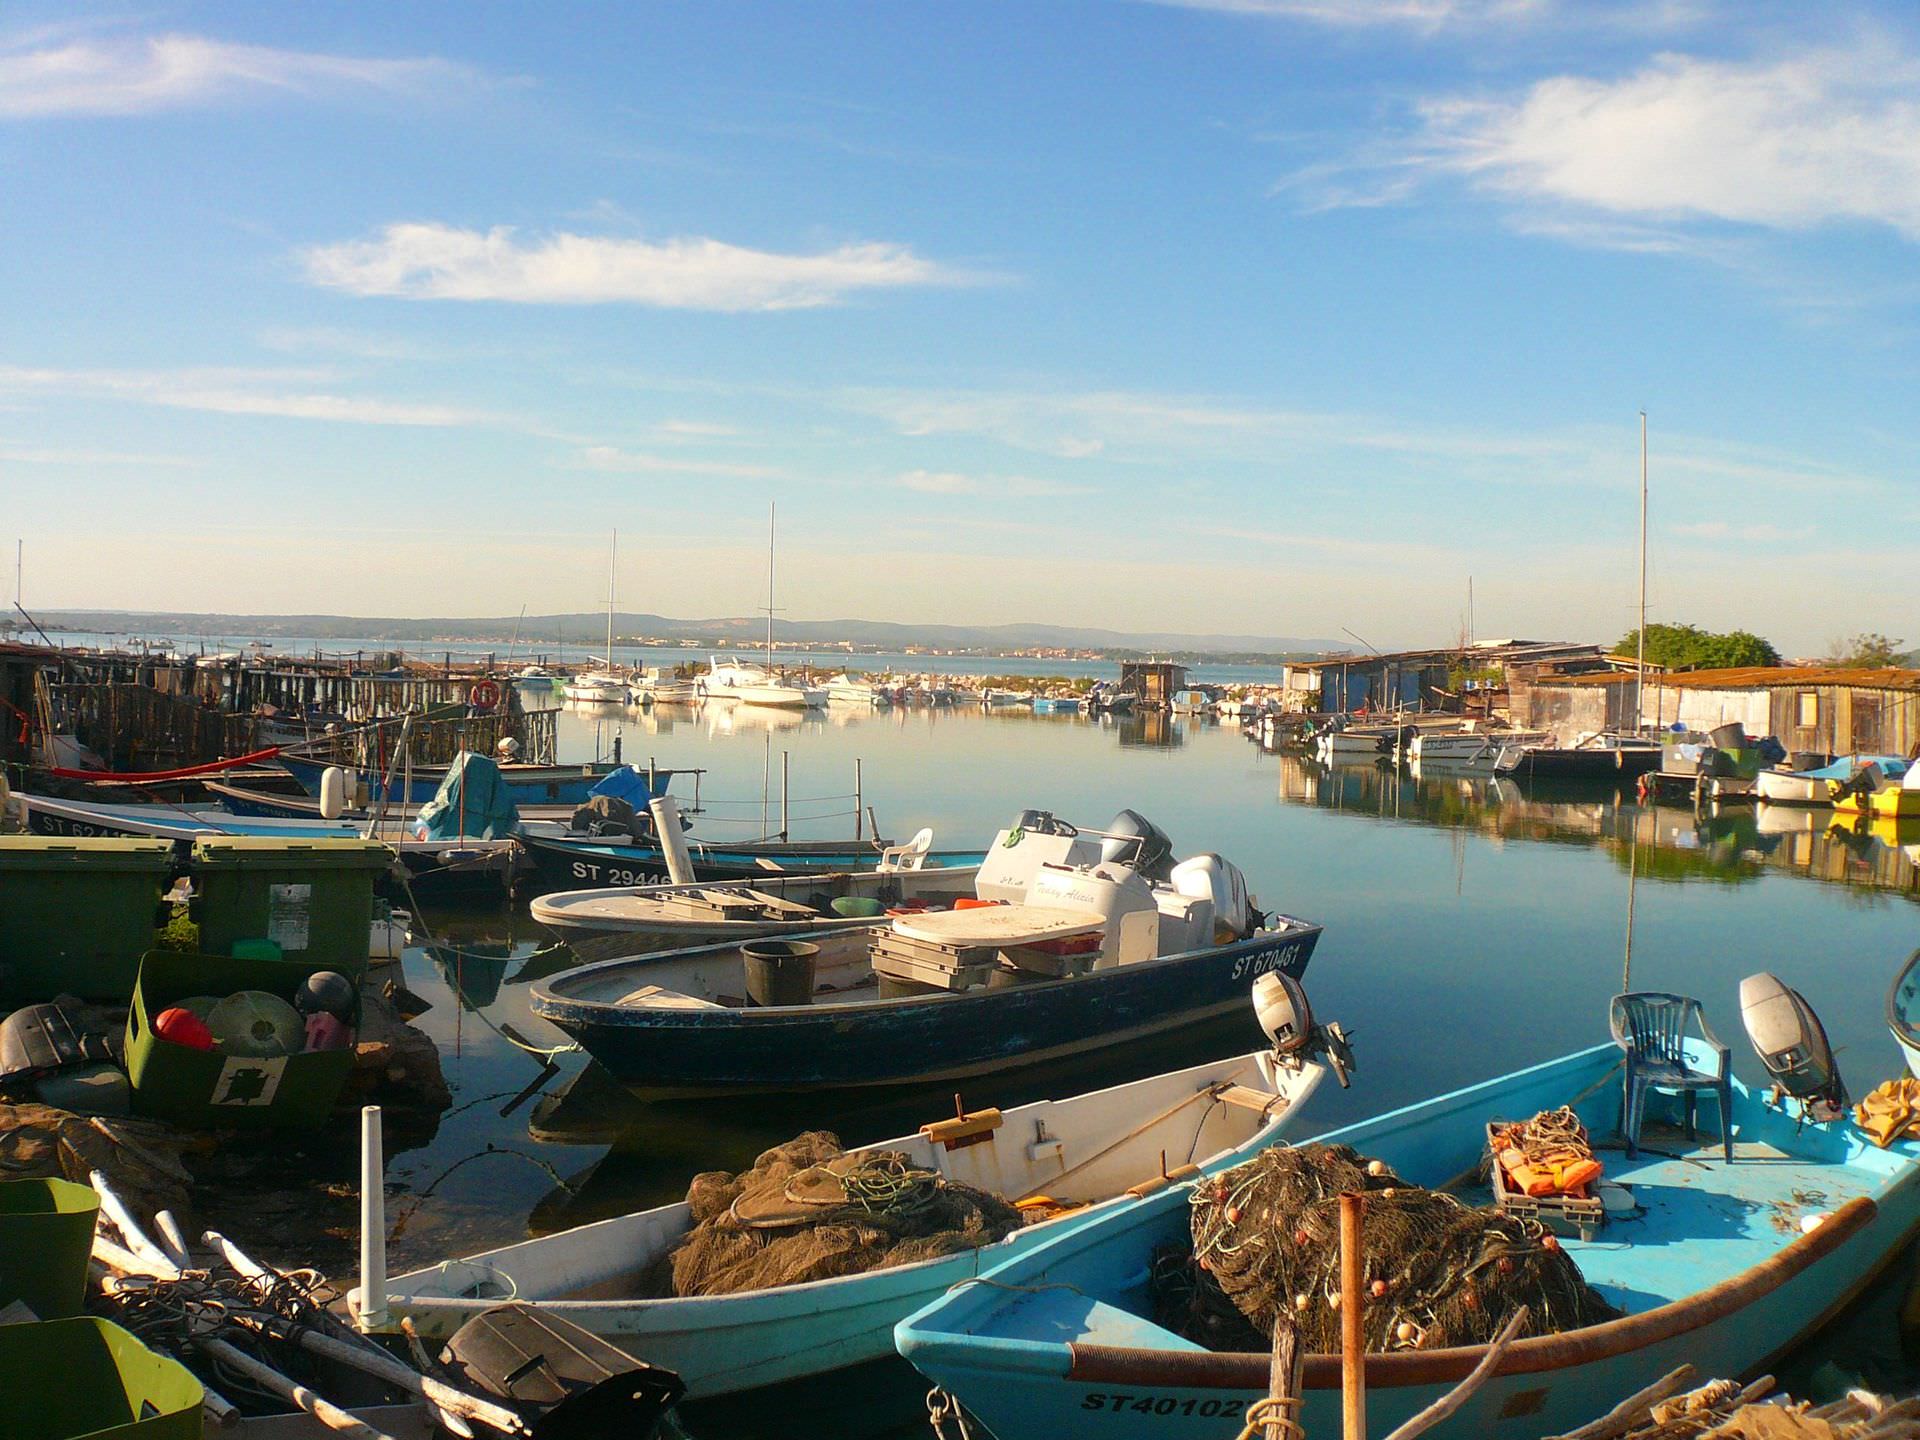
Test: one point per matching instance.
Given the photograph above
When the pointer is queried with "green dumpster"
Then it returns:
(46, 1235)
(76, 915)
(207, 1089)
(87, 1379)
(312, 898)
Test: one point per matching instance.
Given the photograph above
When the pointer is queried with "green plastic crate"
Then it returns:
(312, 898)
(46, 1235)
(76, 915)
(209, 1090)
(87, 1379)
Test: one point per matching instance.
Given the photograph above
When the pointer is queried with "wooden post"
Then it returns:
(857, 788)
(1280, 1417)
(1353, 1337)
(785, 756)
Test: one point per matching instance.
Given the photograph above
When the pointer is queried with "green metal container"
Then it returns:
(312, 898)
(209, 1090)
(46, 1235)
(87, 1379)
(76, 915)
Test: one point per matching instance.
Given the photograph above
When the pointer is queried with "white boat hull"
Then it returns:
(1780, 787)
(1091, 1147)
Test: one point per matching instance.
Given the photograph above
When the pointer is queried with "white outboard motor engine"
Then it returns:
(1280, 1004)
(1137, 843)
(1792, 1044)
(1210, 877)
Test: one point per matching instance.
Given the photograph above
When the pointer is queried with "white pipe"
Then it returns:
(373, 1223)
(673, 840)
(116, 1212)
(171, 1238)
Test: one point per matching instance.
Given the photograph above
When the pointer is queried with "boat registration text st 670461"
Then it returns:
(1256, 963)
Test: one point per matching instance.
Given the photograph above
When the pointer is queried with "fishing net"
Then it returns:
(808, 1210)
(1727, 1410)
(1266, 1243)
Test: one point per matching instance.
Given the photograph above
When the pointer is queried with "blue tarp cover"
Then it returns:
(628, 783)
(473, 803)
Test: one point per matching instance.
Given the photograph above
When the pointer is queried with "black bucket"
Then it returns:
(1730, 736)
(779, 972)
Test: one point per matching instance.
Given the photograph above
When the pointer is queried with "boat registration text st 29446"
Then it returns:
(617, 874)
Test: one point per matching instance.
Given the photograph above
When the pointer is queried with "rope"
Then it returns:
(942, 1407)
(1273, 1418)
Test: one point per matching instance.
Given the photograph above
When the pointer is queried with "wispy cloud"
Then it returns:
(426, 261)
(613, 460)
(1012, 487)
(1680, 156)
(237, 392)
(1478, 15)
(29, 455)
(136, 76)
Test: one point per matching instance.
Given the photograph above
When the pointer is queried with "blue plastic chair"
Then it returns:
(1651, 1027)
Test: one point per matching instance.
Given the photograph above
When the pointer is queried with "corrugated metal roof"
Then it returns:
(1763, 677)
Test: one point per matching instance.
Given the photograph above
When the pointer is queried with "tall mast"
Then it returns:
(1640, 665)
(770, 505)
(613, 559)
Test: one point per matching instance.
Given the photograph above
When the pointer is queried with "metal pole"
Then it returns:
(1353, 1339)
(857, 797)
(1640, 667)
(373, 1223)
(784, 776)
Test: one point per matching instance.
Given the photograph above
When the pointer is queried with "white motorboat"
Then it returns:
(843, 689)
(664, 688)
(1339, 746)
(597, 687)
(1467, 750)
(730, 679)
(1820, 786)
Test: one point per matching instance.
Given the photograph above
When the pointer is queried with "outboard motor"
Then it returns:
(1792, 1044)
(1042, 822)
(1139, 844)
(1280, 1004)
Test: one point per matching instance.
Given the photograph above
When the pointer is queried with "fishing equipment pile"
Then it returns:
(808, 1210)
(1266, 1247)
(1726, 1410)
(1549, 1155)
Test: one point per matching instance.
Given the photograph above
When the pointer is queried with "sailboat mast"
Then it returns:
(1640, 659)
(770, 507)
(613, 559)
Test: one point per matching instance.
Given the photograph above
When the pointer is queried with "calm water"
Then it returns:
(1471, 929)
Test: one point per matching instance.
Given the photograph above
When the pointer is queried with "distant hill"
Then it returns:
(729, 630)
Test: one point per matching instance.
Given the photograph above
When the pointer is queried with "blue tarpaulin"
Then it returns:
(473, 803)
(628, 783)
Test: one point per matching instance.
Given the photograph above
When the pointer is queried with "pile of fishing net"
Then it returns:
(1266, 1244)
(1727, 1410)
(808, 1210)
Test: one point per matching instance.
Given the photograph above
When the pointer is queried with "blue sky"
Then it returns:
(1270, 316)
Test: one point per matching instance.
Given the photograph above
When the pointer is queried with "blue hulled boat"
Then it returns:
(1073, 941)
(1724, 1265)
(530, 784)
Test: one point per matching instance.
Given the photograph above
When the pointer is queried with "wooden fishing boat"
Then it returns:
(564, 860)
(1085, 939)
(251, 803)
(1903, 1011)
(432, 866)
(1610, 758)
(1080, 1153)
(1819, 786)
(630, 920)
(534, 784)
(1725, 1265)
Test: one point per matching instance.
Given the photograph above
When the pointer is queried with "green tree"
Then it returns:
(1688, 647)
(1869, 650)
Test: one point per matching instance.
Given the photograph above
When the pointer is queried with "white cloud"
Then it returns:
(236, 392)
(695, 429)
(1434, 15)
(166, 72)
(1821, 137)
(1011, 487)
(429, 261)
(28, 455)
(615, 461)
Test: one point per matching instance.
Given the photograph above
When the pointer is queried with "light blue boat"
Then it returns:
(1818, 787)
(1721, 1265)
(1056, 705)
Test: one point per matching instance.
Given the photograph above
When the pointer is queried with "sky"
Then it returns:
(1278, 317)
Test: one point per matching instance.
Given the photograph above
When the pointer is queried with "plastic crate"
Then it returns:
(69, 1379)
(207, 1089)
(312, 898)
(1563, 1214)
(46, 1235)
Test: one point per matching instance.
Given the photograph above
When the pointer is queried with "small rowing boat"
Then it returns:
(1081, 1156)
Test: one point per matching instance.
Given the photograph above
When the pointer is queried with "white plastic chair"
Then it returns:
(910, 856)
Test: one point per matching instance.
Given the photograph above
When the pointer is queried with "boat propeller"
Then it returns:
(1792, 1044)
(1280, 1004)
